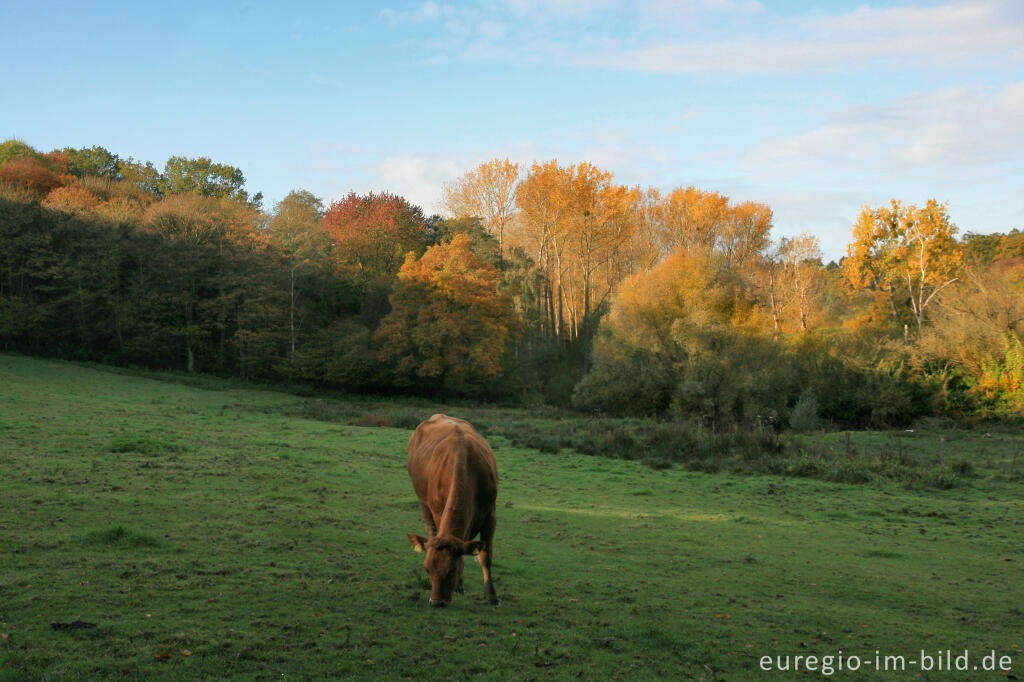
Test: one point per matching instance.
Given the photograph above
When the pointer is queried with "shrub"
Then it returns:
(375, 420)
(804, 416)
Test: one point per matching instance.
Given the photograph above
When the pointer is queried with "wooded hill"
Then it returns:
(548, 283)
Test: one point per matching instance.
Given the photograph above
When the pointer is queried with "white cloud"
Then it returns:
(428, 11)
(729, 36)
(321, 79)
(956, 127)
(964, 145)
(674, 8)
(490, 30)
(418, 178)
(548, 9)
(900, 37)
(828, 214)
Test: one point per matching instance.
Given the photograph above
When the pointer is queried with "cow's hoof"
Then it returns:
(493, 601)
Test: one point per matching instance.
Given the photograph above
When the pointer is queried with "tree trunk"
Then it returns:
(291, 323)
(559, 325)
(551, 312)
(191, 358)
(776, 316)
(586, 324)
(803, 310)
(892, 302)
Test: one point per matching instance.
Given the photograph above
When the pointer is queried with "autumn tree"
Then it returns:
(295, 232)
(118, 201)
(201, 267)
(1011, 245)
(16, 149)
(448, 325)
(31, 173)
(684, 339)
(643, 249)
(144, 176)
(372, 233)
(978, 324)
(71, 199)
(542, 200)
(95, 161)
(370, 236)
(26, 267)
(577, 226)
(904, 248)
(482, 243)
(772, 278)
(487, 192)
(801, 259)
(694, 219)
(203, 177)
(746, 233)
(598, 224)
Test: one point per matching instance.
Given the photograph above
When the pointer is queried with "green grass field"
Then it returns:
(212, 532)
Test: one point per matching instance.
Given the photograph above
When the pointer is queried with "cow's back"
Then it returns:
(437, 448)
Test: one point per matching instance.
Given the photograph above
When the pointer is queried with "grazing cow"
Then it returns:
(456, 480)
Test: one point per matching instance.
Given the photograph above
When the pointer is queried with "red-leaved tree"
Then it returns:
(371, 234)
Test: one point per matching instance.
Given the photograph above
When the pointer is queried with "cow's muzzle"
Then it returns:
(437, 604)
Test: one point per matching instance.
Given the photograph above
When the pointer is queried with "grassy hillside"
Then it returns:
(221, 527)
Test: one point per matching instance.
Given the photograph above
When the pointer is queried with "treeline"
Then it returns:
(544, 284)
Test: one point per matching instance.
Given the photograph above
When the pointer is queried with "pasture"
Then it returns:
(157, 530)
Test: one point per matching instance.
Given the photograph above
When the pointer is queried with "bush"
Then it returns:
(375, 420)
(804, 416)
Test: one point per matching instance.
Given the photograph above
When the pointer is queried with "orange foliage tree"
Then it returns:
(31, 173)
(577, 225)
(448, 324)
(693, 219)
(71, 199)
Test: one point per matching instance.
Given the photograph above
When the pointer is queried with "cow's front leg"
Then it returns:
(459, 587)
(484, 557)
(428, 517)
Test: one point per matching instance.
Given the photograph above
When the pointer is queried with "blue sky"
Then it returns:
(815, 108)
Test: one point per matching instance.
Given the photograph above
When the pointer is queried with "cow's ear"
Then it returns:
(418, 543)
(472, 547)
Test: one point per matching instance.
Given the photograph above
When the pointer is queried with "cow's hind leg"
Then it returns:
(487, 537)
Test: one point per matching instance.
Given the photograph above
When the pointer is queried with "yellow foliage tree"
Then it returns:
(487, 192)
(801, 257)
(685, 338)
(906, 248)
(577, 225)
(543, 201)
(693, 219)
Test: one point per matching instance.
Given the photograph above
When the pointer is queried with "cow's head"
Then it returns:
(443, 564)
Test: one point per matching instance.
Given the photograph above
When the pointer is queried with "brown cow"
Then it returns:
(456, 480)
